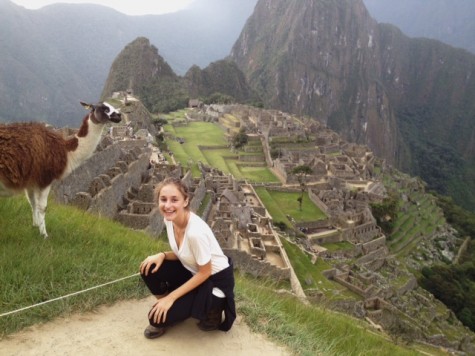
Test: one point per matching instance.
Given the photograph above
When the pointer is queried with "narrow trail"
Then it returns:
(118, 330)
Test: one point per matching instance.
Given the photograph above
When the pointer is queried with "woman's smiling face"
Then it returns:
(171, 202)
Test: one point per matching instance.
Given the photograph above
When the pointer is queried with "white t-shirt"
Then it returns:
(199, 246)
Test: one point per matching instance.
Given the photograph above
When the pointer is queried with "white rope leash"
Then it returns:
(67, 296)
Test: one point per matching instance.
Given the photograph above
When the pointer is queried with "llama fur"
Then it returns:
(32, 155)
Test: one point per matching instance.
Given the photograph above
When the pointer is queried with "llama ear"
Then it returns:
(87, 106)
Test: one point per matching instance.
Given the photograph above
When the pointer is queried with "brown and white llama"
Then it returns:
(32, 156)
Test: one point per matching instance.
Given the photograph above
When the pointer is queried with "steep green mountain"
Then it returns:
(140, 68)
(431, 86)
(219, 77)
(444, 20)
(318, 58)
(409, 100)
(60, 54)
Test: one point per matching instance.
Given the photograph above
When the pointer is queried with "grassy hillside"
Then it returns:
(85, 251)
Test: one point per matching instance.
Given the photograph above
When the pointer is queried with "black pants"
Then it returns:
(169, 277)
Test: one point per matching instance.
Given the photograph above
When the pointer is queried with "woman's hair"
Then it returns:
(177, 182)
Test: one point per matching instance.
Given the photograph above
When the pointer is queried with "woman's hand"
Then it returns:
(158, 313)
(151, 260)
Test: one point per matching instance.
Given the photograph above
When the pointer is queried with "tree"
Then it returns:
(453, 286)
(385, 212)
(219, 98)
(301, 172)
(240, 139)
(275, 152)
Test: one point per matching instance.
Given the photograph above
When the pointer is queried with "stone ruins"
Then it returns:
(119, 180)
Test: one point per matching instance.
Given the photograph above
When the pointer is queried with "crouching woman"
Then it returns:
(194, 279)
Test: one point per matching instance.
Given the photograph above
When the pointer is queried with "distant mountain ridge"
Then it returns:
(60, 54)
(448, 21)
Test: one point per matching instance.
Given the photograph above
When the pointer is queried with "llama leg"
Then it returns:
(31, 197)
(41, 202)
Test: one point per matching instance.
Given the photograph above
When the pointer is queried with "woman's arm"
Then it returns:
(170, 255)
(161, 307)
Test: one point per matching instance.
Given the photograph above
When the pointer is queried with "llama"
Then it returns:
(32, 156)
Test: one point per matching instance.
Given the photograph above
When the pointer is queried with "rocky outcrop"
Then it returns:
(321, 59)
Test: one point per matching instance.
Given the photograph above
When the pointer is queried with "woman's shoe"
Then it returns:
(212, 321)
(214, 316)
(152, 332)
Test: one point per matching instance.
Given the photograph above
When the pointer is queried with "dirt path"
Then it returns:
(118, 330)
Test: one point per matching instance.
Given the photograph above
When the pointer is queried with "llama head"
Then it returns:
(103, 112)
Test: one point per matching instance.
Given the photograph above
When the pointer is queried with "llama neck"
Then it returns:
(86, 144)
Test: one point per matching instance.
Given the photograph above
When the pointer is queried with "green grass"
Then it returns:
(303, 266)
(338, 246)
(258, 174)
(175, 115)
(277, 214)
(218, 158)
(82, 251)
(231, 123)
(306, 329)
(280, 204)
(201, 133)
(310, 275)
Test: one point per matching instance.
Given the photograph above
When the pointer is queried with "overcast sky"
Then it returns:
(129, 7)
